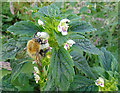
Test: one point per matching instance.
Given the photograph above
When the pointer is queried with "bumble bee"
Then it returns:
(35, 49)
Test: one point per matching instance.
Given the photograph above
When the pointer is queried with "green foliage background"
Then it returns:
(93, 26)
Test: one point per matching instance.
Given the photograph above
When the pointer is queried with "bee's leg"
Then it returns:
(44, 52)
(41, 52)
(38, 60)
(35, 34)
(42, 42)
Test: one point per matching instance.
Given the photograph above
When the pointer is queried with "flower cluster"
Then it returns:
(5, 65)
(63, 26)
(69, 44)
(36, 74)
(44, 36)
(100, 82)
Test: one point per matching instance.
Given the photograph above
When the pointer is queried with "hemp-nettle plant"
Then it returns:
(65, 67)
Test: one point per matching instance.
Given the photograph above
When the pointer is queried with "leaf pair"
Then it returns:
(61, 70)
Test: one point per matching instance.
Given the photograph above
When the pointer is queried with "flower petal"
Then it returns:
(64, 32)
(66, 46)
(65, 20)
(33, 62)
(36, 81)
(44, 46)
(40, 22)
(38, 33)
(97, 83)
(44, 35)
(50, 48)
(59, 28)
(102, 85)
(71, 42)
(36, 69)
(101, 80)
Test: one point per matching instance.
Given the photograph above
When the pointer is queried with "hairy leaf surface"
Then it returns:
(12, 47)
(85, 45)
(82, 83)
(81, 27)
(51, 11)
(9, 49)
(108, 61)
(81, 63)
(24, 28)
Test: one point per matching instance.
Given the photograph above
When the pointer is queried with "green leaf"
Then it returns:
(53, 10)
(98, 71)
(82, 83)
(16, 71)
(61, 68)
(12, 47)
(81, 63)
(60, 38)
(24, 28)
(58, 4)
(71, 16)
(28, 68)
(108, 61)
(85, 45)
(24, 67)
(22, 83)
(83, 9)
(6, 86)
(4, 72)
(42, 12)
(50, 84)
(73, 3)
(75, 36)
(9, 49)
(81, 27)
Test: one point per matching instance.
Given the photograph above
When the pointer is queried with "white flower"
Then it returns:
(38, 33)
(43, 35)
(100, 82)
(40, 22)
(69, 44)
(36, 69)
(64, 30)
(63, 26)
(50, 48)
(37, 78)
(42, 46)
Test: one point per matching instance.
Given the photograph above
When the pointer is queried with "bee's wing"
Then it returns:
(22, 54)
